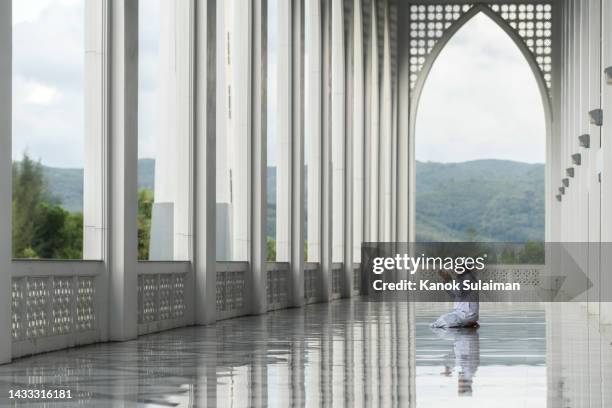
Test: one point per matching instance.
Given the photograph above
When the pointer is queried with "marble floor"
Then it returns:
(346, 354)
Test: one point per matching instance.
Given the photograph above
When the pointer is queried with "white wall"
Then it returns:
(5, 179)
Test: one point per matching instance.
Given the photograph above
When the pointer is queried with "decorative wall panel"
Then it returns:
(161, 297)
(85, 302)
(428, 24)
(531, 22)
(230, 290)
(63, 295)
(310, 283)
(277, 287)
(336, 279)
(45, 306)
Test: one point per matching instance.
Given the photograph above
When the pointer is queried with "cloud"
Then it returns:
(148, 76)
(480, 100)
(48, 80)
(48, 68)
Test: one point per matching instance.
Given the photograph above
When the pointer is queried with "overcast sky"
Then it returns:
(480, 100)
(459, 117)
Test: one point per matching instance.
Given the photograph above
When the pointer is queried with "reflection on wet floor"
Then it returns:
(344, 354)
(502, 363)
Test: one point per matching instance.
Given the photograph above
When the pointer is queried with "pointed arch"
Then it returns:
(415, 95)
(431, 58)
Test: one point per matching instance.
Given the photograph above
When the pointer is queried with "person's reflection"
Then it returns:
(464, 355)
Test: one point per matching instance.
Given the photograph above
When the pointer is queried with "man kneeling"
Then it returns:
(466, 303)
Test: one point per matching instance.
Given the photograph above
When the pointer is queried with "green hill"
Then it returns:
(66, 185)
(500, 200)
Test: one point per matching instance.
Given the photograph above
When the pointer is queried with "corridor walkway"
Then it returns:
(347, 353)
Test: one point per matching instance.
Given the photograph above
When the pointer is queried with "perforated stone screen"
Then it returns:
(430, 22)
(533, 23)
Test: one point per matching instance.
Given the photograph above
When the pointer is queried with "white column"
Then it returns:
(96, 56)
(594, 76)
(205, 161)
(403, 130)
(557, 165)
(326, 153)
(338, 128)
(122, 165)
(312, 126)
(6, 32)
(222, 177)
(258, 131)
(348, 241)
(373, 132)
(358, 129)
(284, 134)
(385, 130)
(171, 233)
(239, 20)
(297, 153)
(606, 160)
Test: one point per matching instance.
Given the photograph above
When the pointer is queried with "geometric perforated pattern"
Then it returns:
(310, 283)
(63, 293)
(17, 308)
(357, 278)
(230, 290)
(161, 297)
(178, 308)
(277, 287)
(165, 297)
(37, 312)
(427, 25)
(85, 303)
(51, 306)
(336, 280)
(148, 298)
(533, 23)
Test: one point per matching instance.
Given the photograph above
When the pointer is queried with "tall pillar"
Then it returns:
(6, 32)
(205, 113)
(358, 130)
(403, 128)
(171, 233)
(312, 126)
(556, 166)
(385, 134)
(240, 43)
(606, 162)
(122, 165)
(258, 131)
(284, 136)
(348, 241)
(594, 78)
(326, 153)
(338, 127)
(373, 131)
(96, 56)
(297, 153)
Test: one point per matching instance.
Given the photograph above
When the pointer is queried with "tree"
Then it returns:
(532, 253)
(145, 210)
(41, 227)
(271, 249)
(28, 192)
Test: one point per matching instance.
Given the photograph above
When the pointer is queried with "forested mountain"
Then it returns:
(497, 200)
